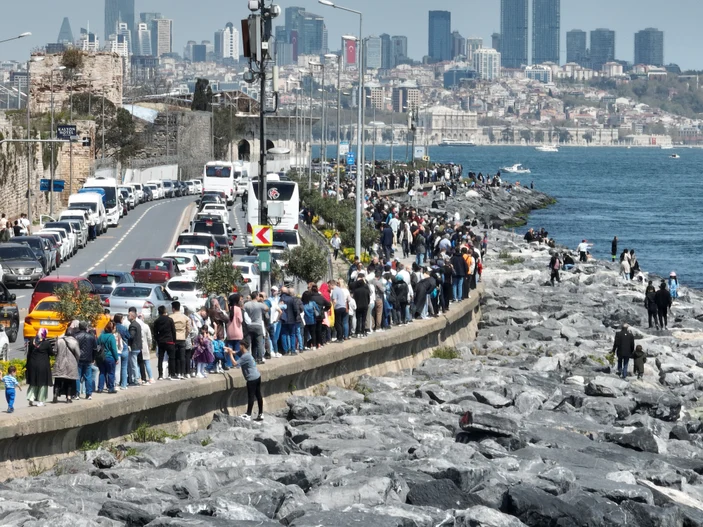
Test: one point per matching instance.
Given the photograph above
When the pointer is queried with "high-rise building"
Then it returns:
(88, 41)
(546, 23)
(119, 44)
(576, 47)
(386, 52)
(124, 32)
(188, 50)
(400, 49)
(199, 53)
(602, 47)
(230, 42)
(458, 45)
(487, 63)
(513, 33)
(495, 41)
(142, 44)
(440, 36)
(373, 52)
(308, 30)
(406, 98)
(65, 33)
(146, 18)
(649, 47)
(161, 36)
(472, 44)
(118, 11)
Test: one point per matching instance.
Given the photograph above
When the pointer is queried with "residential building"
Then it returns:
(386, 52)
(400, 49)
(546, 23)
(405, 97)
(602, 47)
(188, 50)
(120, 45)
(230, 43)
(612, 69)
(487, 63)
(124, 31)
(513, 33)
(118, 11)
(65, 33)
(142, 44)
(373, 53)
(440, 33)
(539, 72)
(284, 53)
(161, 36)
(576, 47)
(88, 41)
(472, 44)
(649, 47)
(375, 96)
(458, 45)
(453, 77)
(495, 41)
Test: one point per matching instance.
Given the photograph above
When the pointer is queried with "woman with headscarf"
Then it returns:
(218, 317)
(65, 373)
(39, 368)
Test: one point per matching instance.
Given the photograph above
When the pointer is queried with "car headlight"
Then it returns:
(38, 270)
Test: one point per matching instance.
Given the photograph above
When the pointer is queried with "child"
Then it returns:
(640, 359)
(251, 374)
(218, 362)
(10, 384)
(202, 352)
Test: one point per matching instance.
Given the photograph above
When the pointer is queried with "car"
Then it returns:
(219, 209)
(54, 241)
(203, 253)
(154, 270)
(131, 198)
(219, 231)
(198, 184)
(153, 190)
(61, 243)
(124, 199)
(4, 345)
(9, 314)
(106, 281)
(188, 264)
(169, 190)
(41, 248)
(209, 198)
(145, 298)
(68, 229)
(250, 274)
(186, 290)
(48, 285)
(290, 237)
(20, 265)
(206, 240)
(191, 187)
(138, 192)
(45, 315)
(148, 194)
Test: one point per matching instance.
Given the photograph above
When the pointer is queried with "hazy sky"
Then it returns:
(197, 20)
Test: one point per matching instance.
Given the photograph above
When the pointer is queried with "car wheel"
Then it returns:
(12, 333)
(5, 354)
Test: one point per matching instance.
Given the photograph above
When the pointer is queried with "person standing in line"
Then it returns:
(362, 296)
(624, 348)
(252, 376)
(182, 325)
(122, 337)
(165, 336)
(235, 330)
(663, 300)
(582, 249)
(336, 243)
(38, 372)
(339, 304)
(88, 345)
(386, 241)
(274, 330)
(135, 348)
(554, 266)
(614, 248)
(253, 314)
(144, 357)
(108, 343)
(203, 354)
(65, 372)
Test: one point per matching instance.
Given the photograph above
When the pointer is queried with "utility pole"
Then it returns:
(102, 151)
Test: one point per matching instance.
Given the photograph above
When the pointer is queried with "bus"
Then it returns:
(109, 187)
(279, 194)
(223, 176)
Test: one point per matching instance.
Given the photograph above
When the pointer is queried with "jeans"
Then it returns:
(134, 375)
(346, 325)
(457, 287)
(124, 367)
(257, 344)
(420, 258)
(361, 312)
(170, 350)
(85, 373)
(623, 363)
(254, 394)
(10, 398)
(275, 333)
(288, 337)
(107, 374)
(339, 315)
(180, 366)
(299, 336)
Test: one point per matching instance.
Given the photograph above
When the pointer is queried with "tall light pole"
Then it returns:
(339, 110)
(51, 188)
(359, 177)
(312, 98)
(21, 35)
(29, 136)
(323, 128)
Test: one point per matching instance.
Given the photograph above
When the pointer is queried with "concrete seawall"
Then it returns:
(35, 444)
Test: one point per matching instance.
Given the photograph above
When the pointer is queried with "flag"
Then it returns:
(294, 44)
(351, 51)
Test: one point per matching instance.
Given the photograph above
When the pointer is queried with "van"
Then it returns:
(111, 197)
(159, 188)
(92, 203)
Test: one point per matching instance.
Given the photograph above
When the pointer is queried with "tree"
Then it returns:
(72, 59)
(200, 96)
(539, 136)
(564, 136)
(228, 128)
(526, 135)
(78, 303)
(219, 277)
(588, 137)
(121, 136)
(308, 262)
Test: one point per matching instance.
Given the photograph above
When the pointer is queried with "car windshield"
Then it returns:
(48, 286)
(182, 260)
(104, 279)
(190, 250)
(35, 243)
(181, 286)
(290, 237)
(47, 305)
(145, 265)
(110, 199)
(194, 240)
(84, 206)
(16, 253)
(210, 227)
(58, 225)
(132, 292)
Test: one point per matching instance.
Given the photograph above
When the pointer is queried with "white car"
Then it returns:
(131, 201)
(187, 292)
(219, 209)
(198, 186)
(155, 194)
(66, 247)
(188, 264)
(198, 250)
(250, 274)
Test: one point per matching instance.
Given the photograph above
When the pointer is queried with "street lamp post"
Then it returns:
(359, 178)
(29, 137)
(22, 35)
(312, 98)
(339, 110)
(51, 189)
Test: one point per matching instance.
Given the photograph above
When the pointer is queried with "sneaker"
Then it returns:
(89, 398)
(245, 417)
(152, 381)
(180, 377)
(167, 379)
(260, 417)
(40, 403)
(123, 387)
(263, 361)
(10, 410)
(187, 375)
(225, 368)
(200, 376)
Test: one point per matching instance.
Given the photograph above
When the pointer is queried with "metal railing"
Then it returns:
(311, 234)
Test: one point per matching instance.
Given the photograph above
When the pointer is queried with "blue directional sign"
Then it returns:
(45, 185)
(351, 158)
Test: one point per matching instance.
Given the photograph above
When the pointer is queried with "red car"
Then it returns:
(48, 285)
(154, 270)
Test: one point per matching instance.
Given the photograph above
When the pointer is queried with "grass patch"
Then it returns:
(90, 445)
(600, 360)
(610, 357)
(145, 434)
(358, 387)
(320, 390)
(206, 441)
(446, 353)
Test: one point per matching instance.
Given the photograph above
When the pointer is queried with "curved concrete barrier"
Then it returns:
(36, 441)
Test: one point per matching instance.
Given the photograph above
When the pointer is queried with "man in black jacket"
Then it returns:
(459, 272)
(165, 337)
(663, 301)
(89, 347)
(624, 348)
(362, 296)
(135, 347)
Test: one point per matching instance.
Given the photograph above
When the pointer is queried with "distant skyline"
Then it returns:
(679, 21)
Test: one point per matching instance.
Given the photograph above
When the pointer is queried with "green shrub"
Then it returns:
(145, 434)
(446, 353)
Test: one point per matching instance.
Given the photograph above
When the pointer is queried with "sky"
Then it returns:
(679, 19)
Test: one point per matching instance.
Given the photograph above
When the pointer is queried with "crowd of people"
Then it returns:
(9, 229)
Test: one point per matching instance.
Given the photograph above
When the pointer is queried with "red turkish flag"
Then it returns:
(351, 51)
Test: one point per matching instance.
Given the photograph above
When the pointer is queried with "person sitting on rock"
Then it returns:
(568, 262)
(640, 359)
(624, 348)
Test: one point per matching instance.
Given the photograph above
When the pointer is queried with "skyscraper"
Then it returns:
(124, 32)
(440, 36)
(230, 42)
(373, 52)
(576, 47)
(400, 49)
(65, 33)
(386, 52)
(146, 18)
(487, 63)
(472, 44)
(495, 41)
(649, 47)
(308, 30)
(513, 33)
(602, 47)
(161, 36)
(546, 17)
(458, 45)
(142, 44)
(118, 11)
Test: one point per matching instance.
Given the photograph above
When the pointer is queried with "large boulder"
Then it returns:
(441, 493)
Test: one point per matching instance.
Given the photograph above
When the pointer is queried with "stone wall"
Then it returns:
(100, 71)
(82, 160)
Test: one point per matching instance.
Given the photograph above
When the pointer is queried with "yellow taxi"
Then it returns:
(45, 315)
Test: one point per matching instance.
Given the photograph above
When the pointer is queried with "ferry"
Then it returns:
(452, 142)
(547, 148)
(516, 169)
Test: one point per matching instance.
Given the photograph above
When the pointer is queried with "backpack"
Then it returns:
(557, 264)
(100, 352)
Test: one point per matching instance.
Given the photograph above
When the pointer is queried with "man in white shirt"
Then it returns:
(394, 224)
(583, 250)
(274, 302)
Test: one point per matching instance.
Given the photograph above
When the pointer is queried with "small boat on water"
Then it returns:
(674, 156)
(452, 142)
(547, 148)
(666, 147)
(516, 169)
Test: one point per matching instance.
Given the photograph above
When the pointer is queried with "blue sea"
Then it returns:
(654, 204)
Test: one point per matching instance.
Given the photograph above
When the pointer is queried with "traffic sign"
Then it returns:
(419, 152)
(351, 158)
(264, 260)
(66, 131)
(343, 148)
(45, 185)
(262, 236)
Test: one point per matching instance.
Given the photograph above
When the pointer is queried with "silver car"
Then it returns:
(146, 298)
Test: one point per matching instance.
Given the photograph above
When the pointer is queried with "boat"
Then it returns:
(516, 169)
(452, 142)
(674, 156)
(666, 147)
(547, 148)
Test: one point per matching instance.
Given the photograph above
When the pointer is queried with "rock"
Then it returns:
(481, 516)
(536, 508)
(547, 364)
(101, 458)
(441, 493)
(644, 515)
(563, 479)
(311, 408)
(491, 398)
(641, 439)
(659, 405)
(679, 432)
(528, 402)
(606, 387)
(125, 512)
(343, 395)
(623, 477)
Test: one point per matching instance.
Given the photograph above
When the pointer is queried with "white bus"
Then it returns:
(109, 186)
(283, 199)
(223, 176)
